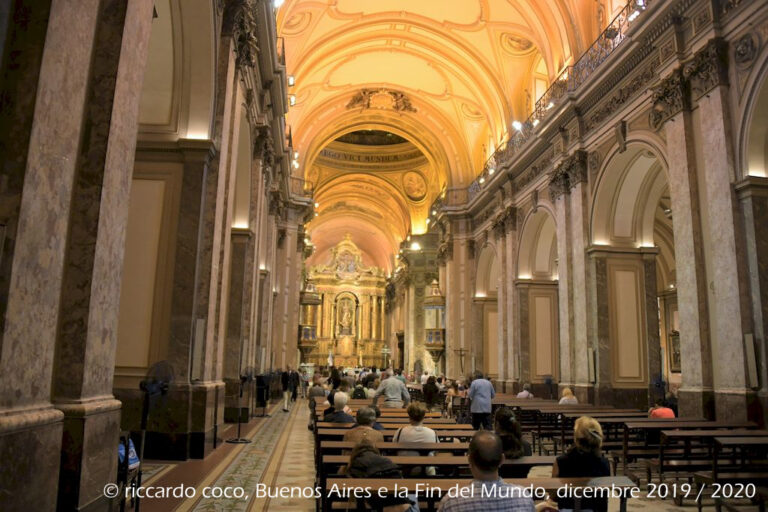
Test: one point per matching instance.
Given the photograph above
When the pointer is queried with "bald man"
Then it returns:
(491, 494)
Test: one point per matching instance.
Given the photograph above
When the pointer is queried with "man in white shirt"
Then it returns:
(424, 378)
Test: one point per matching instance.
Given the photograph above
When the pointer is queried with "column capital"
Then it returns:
(708, 68)
(669, 98)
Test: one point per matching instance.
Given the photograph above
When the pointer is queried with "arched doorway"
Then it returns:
(537, 298)
(635, 328)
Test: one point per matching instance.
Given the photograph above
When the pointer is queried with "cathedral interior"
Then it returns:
(205, 193)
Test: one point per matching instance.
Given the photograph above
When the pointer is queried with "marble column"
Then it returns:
(504, 339)
(695, 394)
(580, 278)
(564, 289)
(64, 286)
(458, 303)
(236, 341)
(288, 282)
(753, 194)
(729, 278)
(522, 289)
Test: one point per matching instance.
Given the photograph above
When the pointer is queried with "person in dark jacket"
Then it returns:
(285, 381)
(584, 459)
(294, 381)
(338, 415)
(365, 461)
(431, 393)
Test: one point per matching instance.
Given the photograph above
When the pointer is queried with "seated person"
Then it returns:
(365, 461)
(584, 458)
(339, 415)
(526, 392)
(659, 410)
(507, 427)
(485, 456)
(568, 398)
(416, 433)
(364, 430)
(376, 425)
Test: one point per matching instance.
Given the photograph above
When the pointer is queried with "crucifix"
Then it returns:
(461, 352)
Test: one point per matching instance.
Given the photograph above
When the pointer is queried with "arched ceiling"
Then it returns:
(449, 76)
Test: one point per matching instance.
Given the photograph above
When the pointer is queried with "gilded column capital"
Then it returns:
(577, 168)
(669, 98)
(510, 218)
(708, 68)
(558, 182)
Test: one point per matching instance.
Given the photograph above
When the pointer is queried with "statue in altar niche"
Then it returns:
(346, 317)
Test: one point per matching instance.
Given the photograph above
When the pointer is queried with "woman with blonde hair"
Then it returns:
(584, 459)
(568, 398)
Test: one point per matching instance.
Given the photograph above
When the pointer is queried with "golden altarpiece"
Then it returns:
(343, 317)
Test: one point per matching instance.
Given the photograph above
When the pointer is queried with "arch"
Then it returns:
(488, 272)
(636, 177)
(537, 256)
(177, 98)
(753, 146)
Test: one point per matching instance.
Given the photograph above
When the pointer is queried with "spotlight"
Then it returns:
(317, 205)
(481, 180)
(517, 125)
(535, 123)
(434, 212)
(292, 99)
(277, 3)
(296, 164)
(550, 105)
(415, 246)
(291, 80)
(295, 155)
(491, 171)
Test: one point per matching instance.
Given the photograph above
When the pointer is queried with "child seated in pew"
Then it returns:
(365, 461)
(584, 458)
(416, 433)
(505, 424)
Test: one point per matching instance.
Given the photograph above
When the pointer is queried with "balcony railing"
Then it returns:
(569, 80)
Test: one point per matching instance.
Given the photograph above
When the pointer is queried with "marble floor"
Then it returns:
(281, 456)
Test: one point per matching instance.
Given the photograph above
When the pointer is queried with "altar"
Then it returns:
(348, 320)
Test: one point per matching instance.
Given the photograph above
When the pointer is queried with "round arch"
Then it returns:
(753, 139)
(537, 256)
(488, 272)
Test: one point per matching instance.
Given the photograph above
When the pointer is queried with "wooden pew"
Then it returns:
(338, 433)
(395, 426)
(645, 427)
(751, 447)
(430, 490)
(386, 448)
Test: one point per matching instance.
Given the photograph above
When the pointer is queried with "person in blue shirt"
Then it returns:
(481, 393)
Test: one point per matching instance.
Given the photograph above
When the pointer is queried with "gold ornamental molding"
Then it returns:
(381, 99)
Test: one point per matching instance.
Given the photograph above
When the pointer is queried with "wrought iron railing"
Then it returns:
(570, 79)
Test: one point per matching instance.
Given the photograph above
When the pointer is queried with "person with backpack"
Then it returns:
(359, 392)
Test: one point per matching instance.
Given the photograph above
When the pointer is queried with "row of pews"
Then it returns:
(449, 460)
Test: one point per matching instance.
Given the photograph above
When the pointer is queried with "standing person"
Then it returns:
(304, 383)
(431, 393)
(316, 396)
(424, 378)
(399, 376)
(481, 394)
(394, 391)
(285, 381)
(295, 382)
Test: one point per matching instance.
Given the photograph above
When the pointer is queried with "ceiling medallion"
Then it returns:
(381, 99)
(415, 185)
(516, 45)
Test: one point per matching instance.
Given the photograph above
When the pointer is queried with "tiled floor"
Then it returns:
(281, 456)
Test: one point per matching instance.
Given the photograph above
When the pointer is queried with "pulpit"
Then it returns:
(434, 324)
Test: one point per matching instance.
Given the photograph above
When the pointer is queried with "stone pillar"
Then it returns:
(236, 339)
(708, 74)
(504, 339)
(564, 287)
(670, 110)
(753, 194)
(72, 215)
(288, 283)
(523, 336)
(458, 301)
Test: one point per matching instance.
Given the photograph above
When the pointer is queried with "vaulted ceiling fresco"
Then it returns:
(446, 76)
